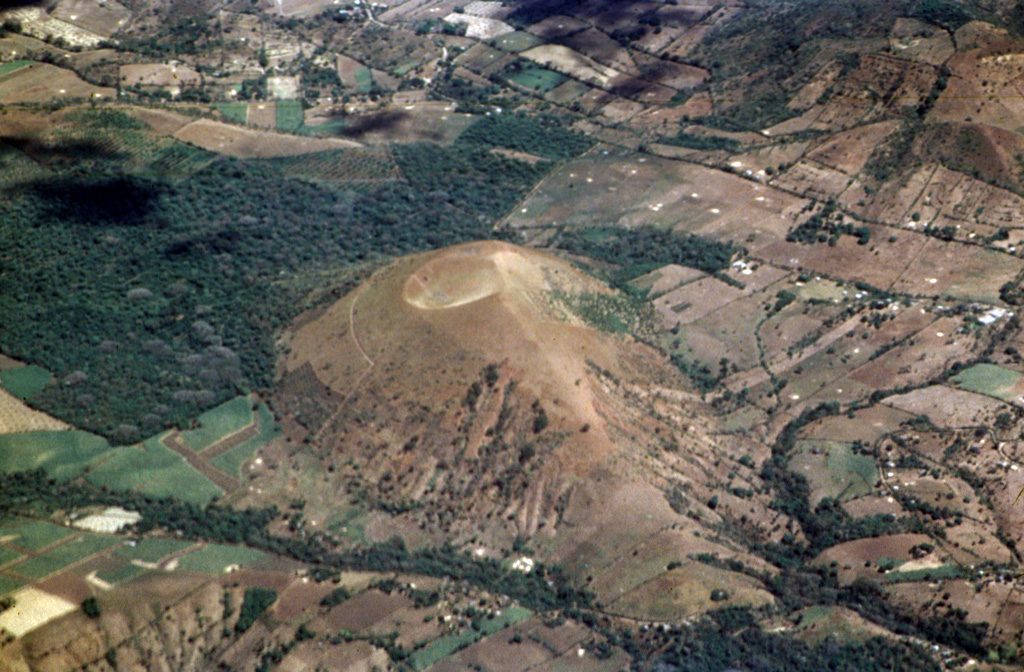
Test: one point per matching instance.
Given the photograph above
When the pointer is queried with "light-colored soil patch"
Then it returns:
(478, 27)
(16, 416)
(42, 82)
(859, 559)
(32, 608)
(247, 144)
(573, 63)
(948, 407)
(686, 591)
(102, 18)
(850, 150)
(262, 114)
(283, 87)
(37, 23)
(158, 74)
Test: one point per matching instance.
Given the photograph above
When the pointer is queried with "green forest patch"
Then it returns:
(62, 454)
(153, 469)
(219, 422)
(995, 381)
(215, 558)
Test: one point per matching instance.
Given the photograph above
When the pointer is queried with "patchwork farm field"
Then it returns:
(218, 558)
(64, 555)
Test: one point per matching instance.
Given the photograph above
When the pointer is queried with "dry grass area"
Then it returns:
(159, 74)
(32, 608)
(245, 143)
(42, 83)
(16, 416)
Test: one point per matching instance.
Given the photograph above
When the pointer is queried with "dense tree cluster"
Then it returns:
(127, 287)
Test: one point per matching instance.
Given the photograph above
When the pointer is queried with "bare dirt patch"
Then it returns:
(247, 144)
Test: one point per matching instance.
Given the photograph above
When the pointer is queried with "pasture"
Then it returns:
(218, 558)
(217, 423)
(24, 382)
(445, 646)
(9, 584)
(151, 549)
(991, 380)
(65, 555)
(516, 42)
(231, 461)
(62, 454)
(535, 78)
(290, 116)
(833, 470)
(7, 555)
(236, 112)
(32, 535)
(154, 469)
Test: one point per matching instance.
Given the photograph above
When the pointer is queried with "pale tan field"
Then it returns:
(248, 144)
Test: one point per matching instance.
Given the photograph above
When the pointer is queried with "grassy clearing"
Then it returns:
(236, 112)
(25, 382)
(62, 454)
(446, 646)
(290, 116)
(537, 79)
(154, 469)
(364, 80)
(7, 555)
(212, 559)
(34, 534)
(947, 571)
(66, 554)
(121, 574)
(9, 585)
(218, 422)
(13, 65)
(516, 42)
(833, 470)
(231, 462)
(988, 379)
(151, 549)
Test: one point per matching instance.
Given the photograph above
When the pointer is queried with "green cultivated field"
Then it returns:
(290, 115)
(517, 41)
(33, 534)
(212, 559)
(151, 549)
(7, 584)
(218, 422)
(153, 469)
(364, 79)
(537, 79)
(62, 454)
(834, 470)
(446, 646)
(231, 462)
(25, 382)
(237, 112)
(948, 571)
(13, 65)
(120, 574)
(65, 555)
(989, 379)
(7, 555)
